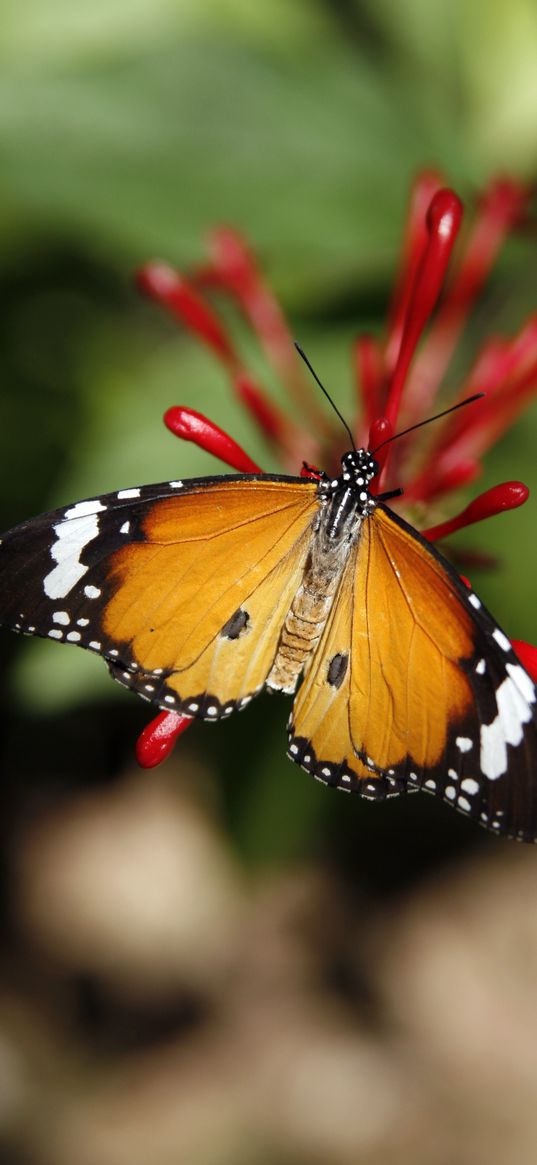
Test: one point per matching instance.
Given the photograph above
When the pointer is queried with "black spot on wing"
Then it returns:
(236, 625)
(337, 670)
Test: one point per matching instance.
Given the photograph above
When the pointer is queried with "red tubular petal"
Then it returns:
(429, 484)
(507, 496)
(506, 371)
(443, 221)
(193, 426)
(380, 431)
(415, 239)
(494, 362)
(236, 269)
(501, 207)
(527, 655)
(311, 472)
(169, 289)
(270, 421)
(367, 360)
(292, 444)
(158, 738)
(470, 436)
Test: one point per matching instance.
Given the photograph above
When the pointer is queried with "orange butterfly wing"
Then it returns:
(183, 588)
(202, 598)
(413, 685)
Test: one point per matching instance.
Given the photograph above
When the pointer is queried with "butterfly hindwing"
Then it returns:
(320, 730)
(433, 696)
(181, 587)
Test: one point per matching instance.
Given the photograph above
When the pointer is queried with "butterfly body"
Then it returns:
(200, 593)
(344, 502)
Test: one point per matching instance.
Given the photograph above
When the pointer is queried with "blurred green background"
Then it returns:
(221, 962)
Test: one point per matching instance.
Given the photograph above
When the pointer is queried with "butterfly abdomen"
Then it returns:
(301, 632)
(309, 611)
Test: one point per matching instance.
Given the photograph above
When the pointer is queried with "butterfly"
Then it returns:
(200, 593)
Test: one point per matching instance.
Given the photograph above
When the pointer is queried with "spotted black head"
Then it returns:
(359, 466)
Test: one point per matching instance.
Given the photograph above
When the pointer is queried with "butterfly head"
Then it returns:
(359, 466)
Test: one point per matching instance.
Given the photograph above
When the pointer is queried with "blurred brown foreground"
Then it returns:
(158, 1006)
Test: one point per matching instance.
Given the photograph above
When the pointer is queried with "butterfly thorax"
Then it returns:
(344, 503)
(346, 499)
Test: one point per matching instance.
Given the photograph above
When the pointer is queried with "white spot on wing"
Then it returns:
(480, 667)
(507, 727)
(463, 743)
(83, 509)
(56, 633)
(61, 617)
(73, 636)
(522, 681)
(473, 599)
(128, 493)
(72, 537)
(470, 785)
(124, 529)
(501, 639)
(92, 592)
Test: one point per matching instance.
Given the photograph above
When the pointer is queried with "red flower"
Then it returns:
(396, 384)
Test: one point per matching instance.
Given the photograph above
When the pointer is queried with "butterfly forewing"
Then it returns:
(182, 587)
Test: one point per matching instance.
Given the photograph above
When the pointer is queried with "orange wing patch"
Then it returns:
(198, 603)
(410, 632)
(403, 629)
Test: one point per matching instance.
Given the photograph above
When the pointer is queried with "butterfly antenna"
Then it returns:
(467, 401)
(302, 353)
